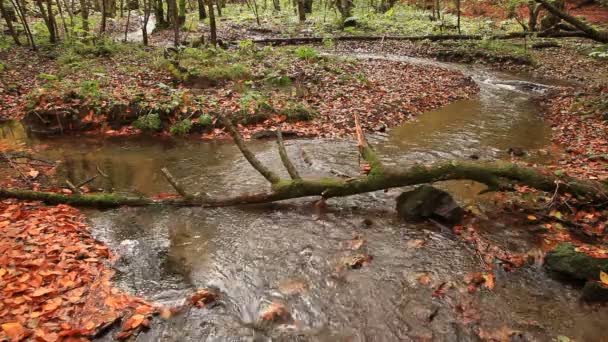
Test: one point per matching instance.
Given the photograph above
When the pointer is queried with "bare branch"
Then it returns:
(293, 172)
(174, 182)
(72, 187)
(240, 143)
(366, 151)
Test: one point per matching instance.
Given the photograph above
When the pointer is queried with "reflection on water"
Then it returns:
(249, 253)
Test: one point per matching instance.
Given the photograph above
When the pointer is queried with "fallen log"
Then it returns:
(514, 35)
(497, 176)
(588, 30)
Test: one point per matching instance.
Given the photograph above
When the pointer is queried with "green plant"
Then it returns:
(229, 72)
(205, 120)
(148, 122)
(89, 89)
(305, 52)
(298, 112)
(181, 127)
(600, 52)
(2, 67)
(279, 80)
(47, 77)
(328, 43)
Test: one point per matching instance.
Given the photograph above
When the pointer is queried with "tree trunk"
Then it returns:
(497, 176)
(301, 11)
(277, 5)
(104, 16)
(202, 13)
(218, 5)
(181, 18)
(600, 36)
(9, 23)
(458, 14)
(308, 6)
(65, 26)
(144, 28)
(84, 14)
(212, 27)
(49, 19)
(159, 14)
(22, 15)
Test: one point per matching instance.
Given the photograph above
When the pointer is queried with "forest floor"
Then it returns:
(54, 275)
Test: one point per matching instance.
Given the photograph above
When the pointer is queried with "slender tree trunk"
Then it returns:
(65, 26)
(69, 7)
(172, 9)
(127, 25)
(218, 5)
(181, 19)
(277, 5)
(84, 14)
(22, 15)
(301, 11)
(102, 28)
(256, 12)
(458, 13)
(159, 13)
(202, 12)
(9, 23)
(534, 12)
(144, 29)
(212, 27)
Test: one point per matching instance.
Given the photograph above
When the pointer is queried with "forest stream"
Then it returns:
(289, 253)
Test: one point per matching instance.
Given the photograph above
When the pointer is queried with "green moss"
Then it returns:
(564, 259)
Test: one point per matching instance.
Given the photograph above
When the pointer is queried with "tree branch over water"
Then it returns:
(497, 176)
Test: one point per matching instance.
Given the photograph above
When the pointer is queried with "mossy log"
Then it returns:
(565, 260)
(498, 176)
(434, 38)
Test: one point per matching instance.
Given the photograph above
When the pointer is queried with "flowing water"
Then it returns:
(289, 253)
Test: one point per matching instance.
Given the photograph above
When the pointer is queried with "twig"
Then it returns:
(10, 162)
(85, 182)
(103, 174)
(291, 169)
(550, 204)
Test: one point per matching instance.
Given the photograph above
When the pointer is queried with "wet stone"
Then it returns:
(427, 202)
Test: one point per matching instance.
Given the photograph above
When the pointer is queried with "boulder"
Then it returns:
(595, 291)
(426, 202)
(565, 260)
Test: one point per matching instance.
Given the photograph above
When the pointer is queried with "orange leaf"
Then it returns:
(134, 321)
(41, 292)
(14, 330)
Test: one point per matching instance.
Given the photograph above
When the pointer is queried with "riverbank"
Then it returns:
(295, 89)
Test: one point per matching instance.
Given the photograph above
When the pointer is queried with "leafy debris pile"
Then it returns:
(55, 280)
(580, 126)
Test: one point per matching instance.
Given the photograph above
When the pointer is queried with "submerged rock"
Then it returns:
(565, 260)
(426, 202)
